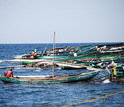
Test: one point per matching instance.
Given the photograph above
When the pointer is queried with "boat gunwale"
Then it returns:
(56, 79)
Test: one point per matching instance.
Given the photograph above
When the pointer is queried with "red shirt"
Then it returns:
(9, 73)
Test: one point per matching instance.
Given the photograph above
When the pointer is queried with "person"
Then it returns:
(33, 55)
(9, 73)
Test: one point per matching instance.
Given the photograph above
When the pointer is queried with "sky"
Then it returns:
(74, 21)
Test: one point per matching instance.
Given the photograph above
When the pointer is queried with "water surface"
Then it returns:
(53, 95)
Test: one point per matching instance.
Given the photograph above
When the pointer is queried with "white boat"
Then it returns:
(69, 66)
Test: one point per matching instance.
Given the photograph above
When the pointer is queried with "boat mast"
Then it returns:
(53, 69)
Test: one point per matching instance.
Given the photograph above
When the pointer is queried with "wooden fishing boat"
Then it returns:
(27, 62)
(69, 53)
(50, 57)
(49, 79)
(70, 66)
(20, 56)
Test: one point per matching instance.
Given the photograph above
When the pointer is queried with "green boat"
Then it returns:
(49, 79)
(92, 56)
(26, 62)
(51, 57)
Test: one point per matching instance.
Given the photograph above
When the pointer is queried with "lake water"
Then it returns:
(53, 95)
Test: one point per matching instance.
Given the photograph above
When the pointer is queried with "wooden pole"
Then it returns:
(53, 68)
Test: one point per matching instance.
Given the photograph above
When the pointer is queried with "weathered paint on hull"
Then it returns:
(70, 79)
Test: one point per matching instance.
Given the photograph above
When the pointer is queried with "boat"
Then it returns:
(70, 66)
(48, 79)
(27, 62)
(68, 52)
(50, 57)
(20, 56)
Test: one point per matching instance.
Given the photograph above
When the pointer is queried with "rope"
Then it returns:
(94, 99)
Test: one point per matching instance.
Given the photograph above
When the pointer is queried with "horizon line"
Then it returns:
(61, 42)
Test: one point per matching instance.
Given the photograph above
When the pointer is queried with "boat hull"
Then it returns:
(70, 68)
(26, 62)
(50, 79)
(50, 57)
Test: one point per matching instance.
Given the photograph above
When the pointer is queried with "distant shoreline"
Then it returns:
(67, 43)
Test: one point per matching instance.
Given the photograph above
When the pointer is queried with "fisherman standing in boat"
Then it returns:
(9, 73)
(33, 54)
